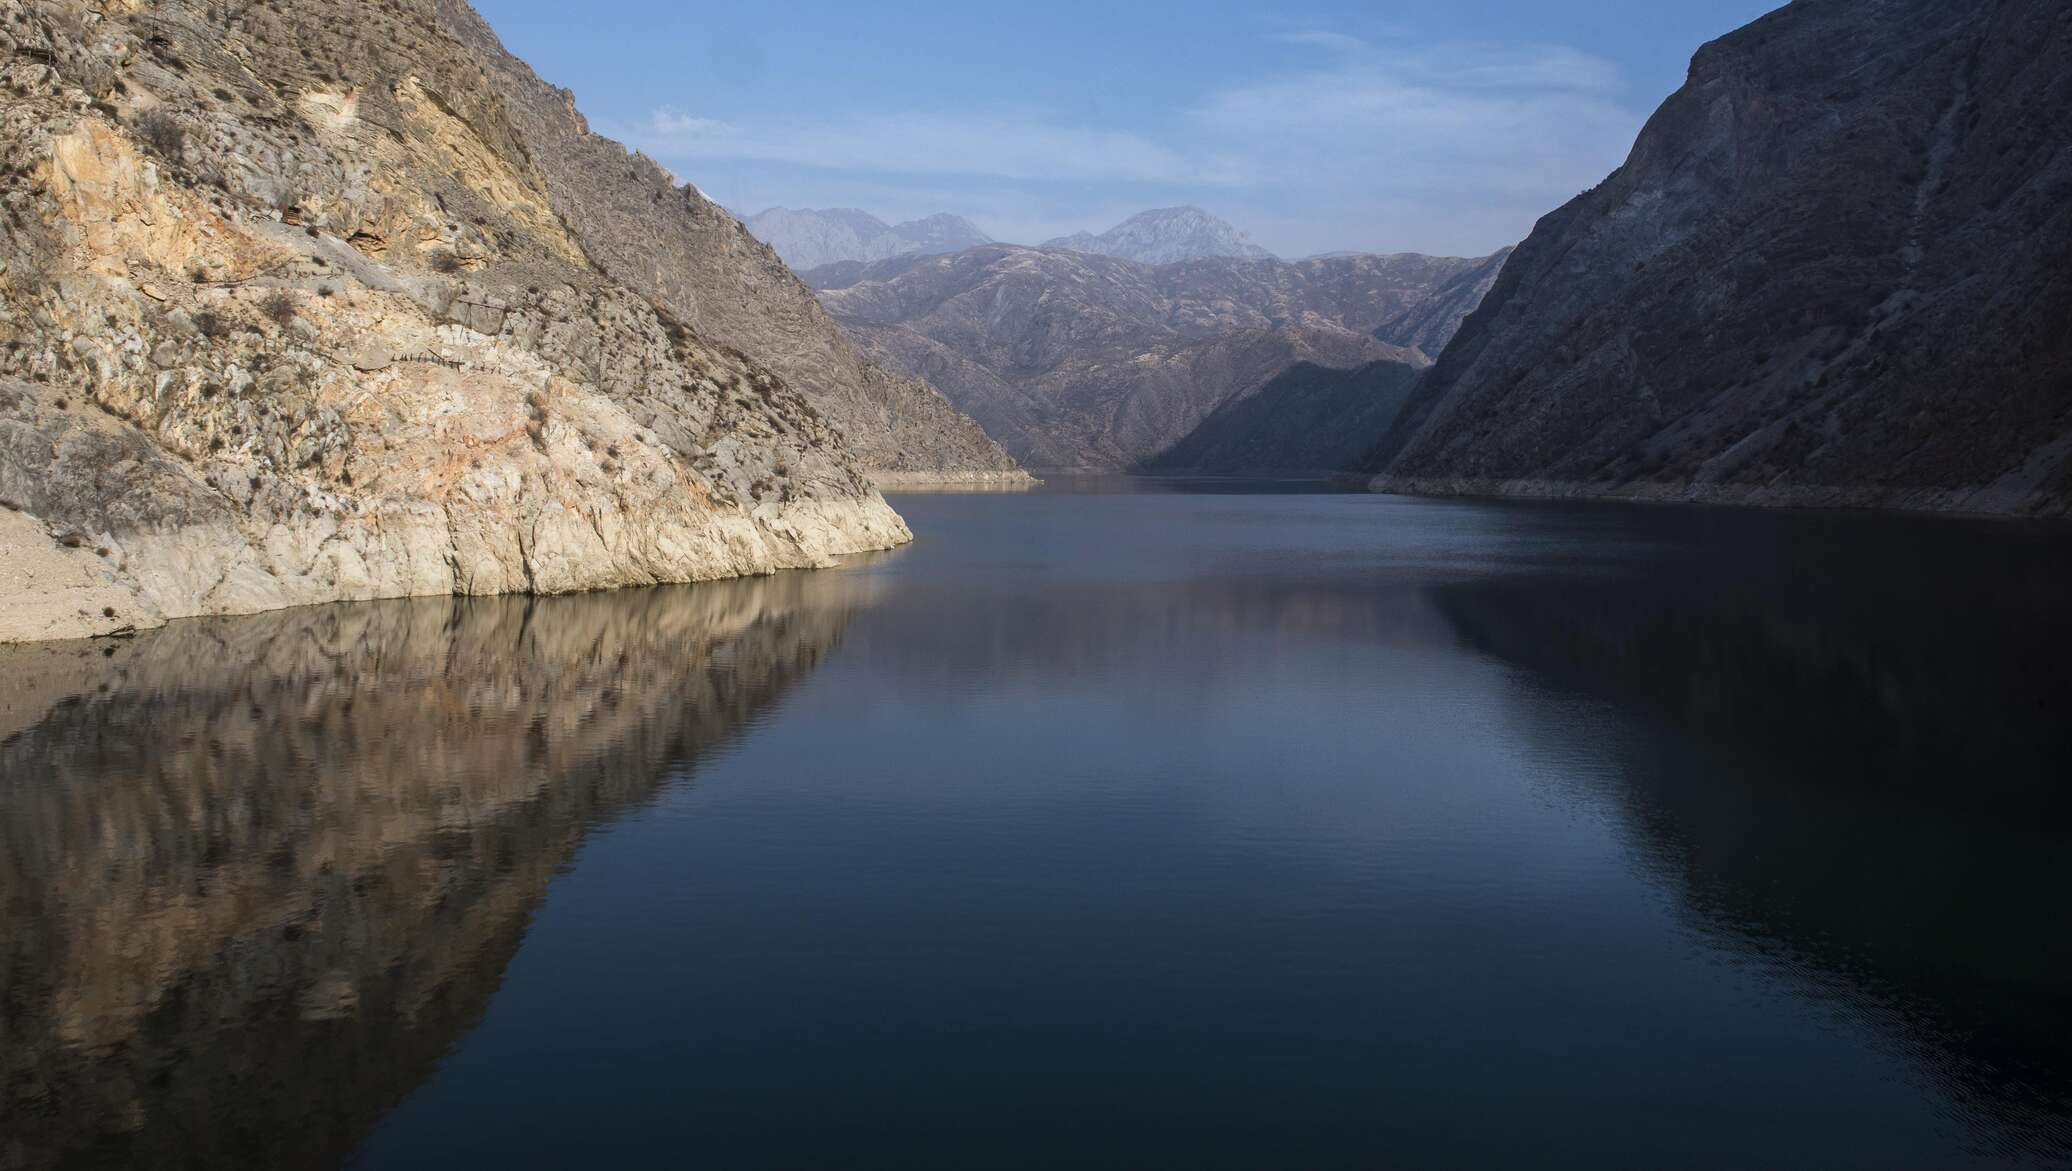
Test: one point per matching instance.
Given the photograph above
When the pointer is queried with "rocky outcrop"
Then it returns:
(807, 238)
(1835, 271)
(288, 314)
(669, 243)
(1164, 236)
(262, 873)
(1078, 361)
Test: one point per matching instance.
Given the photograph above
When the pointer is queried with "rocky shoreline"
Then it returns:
(1996, 501)
(1014, 481)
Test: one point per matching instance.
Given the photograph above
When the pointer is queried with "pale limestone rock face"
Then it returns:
(669, 243)
(315, 342)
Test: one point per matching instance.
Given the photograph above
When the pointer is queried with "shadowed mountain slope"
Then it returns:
(1308, 418)
(1835, 270)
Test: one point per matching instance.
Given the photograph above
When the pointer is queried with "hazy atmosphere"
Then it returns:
(1334, 585)
(1437, 128)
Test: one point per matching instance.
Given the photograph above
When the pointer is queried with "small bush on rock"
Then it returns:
(163, 133)
(279, 308)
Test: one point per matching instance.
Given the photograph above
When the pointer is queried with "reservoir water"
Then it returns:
(1115, 824)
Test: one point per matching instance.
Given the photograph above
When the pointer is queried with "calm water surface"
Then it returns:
(1100, 827)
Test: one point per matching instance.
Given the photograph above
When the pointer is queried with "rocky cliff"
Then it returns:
(1835, 270)
(1077, 361)
(669, 243)
(290, 313)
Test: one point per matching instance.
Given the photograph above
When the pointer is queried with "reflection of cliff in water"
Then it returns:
(260, 874)
(1864, 783)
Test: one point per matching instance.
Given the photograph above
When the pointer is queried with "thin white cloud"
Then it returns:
(1323, 39)
(1528, 67)
(1465, 122)
(1297, 25)
(670, 122)
(982, 145)
(1373, 143)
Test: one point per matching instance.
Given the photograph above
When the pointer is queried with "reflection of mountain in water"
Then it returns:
(259, 874)
(1059, 633)
(1867, 787)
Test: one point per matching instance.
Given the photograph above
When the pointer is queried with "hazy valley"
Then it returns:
(1077, 360)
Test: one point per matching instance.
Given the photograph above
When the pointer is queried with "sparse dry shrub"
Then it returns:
(279, 308)
(163, 133)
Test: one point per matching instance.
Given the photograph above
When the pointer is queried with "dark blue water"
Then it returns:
(1100, 827)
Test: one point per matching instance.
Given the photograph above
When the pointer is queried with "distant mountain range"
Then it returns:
(1080, 361)
(1169, 342)
(808, 238)
(1165, 236)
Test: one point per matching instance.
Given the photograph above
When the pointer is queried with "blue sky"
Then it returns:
(1444, 127)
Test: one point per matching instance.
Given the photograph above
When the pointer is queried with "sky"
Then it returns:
(1438, 126)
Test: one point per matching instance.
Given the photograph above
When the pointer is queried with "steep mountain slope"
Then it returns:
(1430, 325)
(1163, 236)
(674, 246)
(287, 316)
(1836, 270)
(1309, 418)
(1082, 361)
(811, 239)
